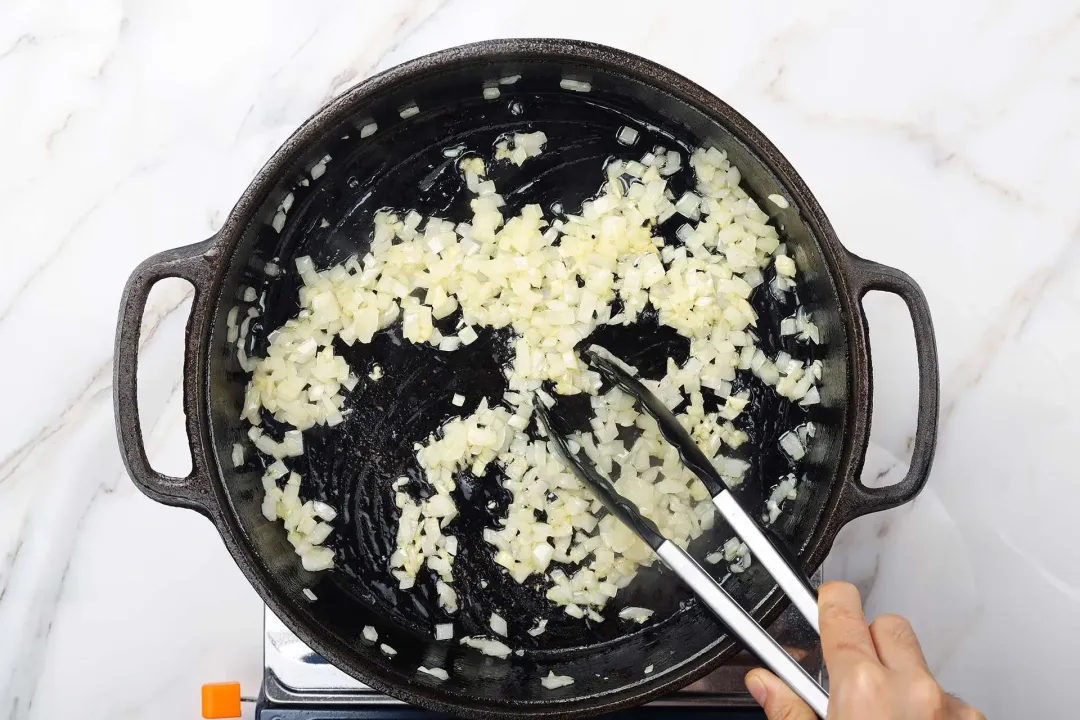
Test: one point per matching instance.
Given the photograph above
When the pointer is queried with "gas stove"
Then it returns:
(298, 684)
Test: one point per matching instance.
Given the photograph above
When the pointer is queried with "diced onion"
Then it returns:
(434, 672)
(237, 455)
(637, 614)
(319, 168)
(575, 85)
(448, 599)
(487, 646)
(467, 335)
(786, 489)
(519, 147)
(551, 283)
(552, 681)
(789, 443)
(785, 266)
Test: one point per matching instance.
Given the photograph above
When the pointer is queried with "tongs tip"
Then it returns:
(601, 486)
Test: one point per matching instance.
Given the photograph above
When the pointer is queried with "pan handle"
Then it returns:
(194, 263)
(866, 275)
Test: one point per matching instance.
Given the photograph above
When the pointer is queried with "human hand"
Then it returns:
(876, 672)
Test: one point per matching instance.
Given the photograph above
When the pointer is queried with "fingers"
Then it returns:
(896, 644)
(777, 700)
(845, 637)
(962, 711)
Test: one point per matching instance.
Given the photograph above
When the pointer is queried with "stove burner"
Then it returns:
(298, 684)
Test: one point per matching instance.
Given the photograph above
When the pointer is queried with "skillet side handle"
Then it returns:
(193, 263)
(865, 276)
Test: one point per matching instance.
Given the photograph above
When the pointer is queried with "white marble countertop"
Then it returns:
(941, 138)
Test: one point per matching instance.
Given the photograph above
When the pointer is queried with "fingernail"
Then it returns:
(757, 689)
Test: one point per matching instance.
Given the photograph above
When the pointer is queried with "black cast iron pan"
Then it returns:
(405, 164)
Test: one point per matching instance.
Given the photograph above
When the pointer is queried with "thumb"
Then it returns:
(777, 700)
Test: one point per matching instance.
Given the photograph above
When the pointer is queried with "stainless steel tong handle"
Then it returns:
(686, 568)
(745, 627)
(761, 547)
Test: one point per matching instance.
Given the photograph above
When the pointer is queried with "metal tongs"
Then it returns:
(678, 560)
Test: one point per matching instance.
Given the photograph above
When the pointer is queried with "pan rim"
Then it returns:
(855, 434)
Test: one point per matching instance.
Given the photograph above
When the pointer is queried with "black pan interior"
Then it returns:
(405, 164)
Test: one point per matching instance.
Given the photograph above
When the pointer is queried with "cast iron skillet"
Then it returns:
(403, 165)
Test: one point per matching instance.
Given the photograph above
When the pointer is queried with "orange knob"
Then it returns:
(221, 700)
